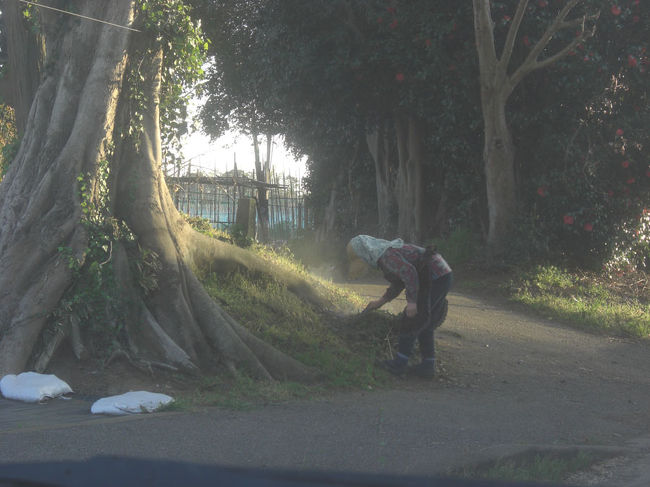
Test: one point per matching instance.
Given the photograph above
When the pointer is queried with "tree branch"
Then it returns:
(512, 34)
(551, 30)
(551, 59)
(531, 63)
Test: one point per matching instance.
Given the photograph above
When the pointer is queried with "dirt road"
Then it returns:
(508, 382)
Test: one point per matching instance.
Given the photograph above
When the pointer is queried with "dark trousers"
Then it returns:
(432, 311)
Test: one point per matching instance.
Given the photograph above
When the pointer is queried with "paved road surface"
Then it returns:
(508, 382)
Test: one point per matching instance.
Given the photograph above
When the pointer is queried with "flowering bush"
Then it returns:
(580, 128)
(631, 248)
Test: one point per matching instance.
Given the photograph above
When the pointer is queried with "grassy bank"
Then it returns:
(339, 342)
(342, 346)
(612, 305)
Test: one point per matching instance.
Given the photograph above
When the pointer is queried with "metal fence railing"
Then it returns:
(215, 198)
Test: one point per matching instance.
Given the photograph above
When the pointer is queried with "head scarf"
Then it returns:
(369, 249)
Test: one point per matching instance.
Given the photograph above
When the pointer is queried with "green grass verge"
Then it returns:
(531, 467)
(239, 392)
(582, 300)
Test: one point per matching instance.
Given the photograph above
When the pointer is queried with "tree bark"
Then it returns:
(378, 141)
(22, 78)
(78, 112)
(499, 159)
(397, 149)
(66, 134)
(409, 190)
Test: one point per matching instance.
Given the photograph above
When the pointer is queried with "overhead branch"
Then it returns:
(560, 54)
(531, 63)
(512, 34)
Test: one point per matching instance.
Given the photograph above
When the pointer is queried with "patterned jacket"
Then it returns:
(398, 265)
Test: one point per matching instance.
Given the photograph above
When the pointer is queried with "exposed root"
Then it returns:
(78, 347)
(51, 346)
(238, 345)
(138, 363)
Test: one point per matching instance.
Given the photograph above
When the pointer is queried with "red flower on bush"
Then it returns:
(393, 24)
(625, 164)
(400, 77)
(506, 18)
(542, 3)
(541, 191)
(616, 10)
(631, 181)
(631, 61)
(568, 220)
(588, 227)
(619, 132)
(526, 41)
(390, 10)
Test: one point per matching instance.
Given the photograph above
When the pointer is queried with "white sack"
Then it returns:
(130, 403)
(33, 387)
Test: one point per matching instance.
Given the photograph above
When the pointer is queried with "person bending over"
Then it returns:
(426, 277)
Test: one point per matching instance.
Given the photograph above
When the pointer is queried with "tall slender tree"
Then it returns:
(498, 80)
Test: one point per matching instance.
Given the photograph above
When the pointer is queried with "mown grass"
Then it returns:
(240, 392)
(531, 467)
(582, 300)
(342, 344)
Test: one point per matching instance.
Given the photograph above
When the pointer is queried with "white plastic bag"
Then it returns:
(130, 403)
(33, 387)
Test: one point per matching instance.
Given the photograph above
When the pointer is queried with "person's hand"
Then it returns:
(378, 303)
(411, 309)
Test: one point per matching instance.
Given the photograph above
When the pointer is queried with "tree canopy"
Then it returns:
(330, 73)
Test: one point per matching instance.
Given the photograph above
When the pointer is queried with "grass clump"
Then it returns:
(582, 299)
(532, 467)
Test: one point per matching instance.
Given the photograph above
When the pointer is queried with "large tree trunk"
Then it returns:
(80, 103)
(398, 151)
(380, 149)
(22, 78)
(499, 159)
(410, 183)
